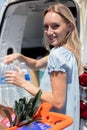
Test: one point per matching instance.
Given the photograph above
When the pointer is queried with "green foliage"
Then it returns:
(24, 110)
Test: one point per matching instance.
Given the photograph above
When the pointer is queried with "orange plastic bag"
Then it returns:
(57, 121)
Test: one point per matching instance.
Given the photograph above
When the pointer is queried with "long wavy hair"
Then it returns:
(72, 38)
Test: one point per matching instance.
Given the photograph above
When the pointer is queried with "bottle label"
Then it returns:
(3, 81)
(35, 126)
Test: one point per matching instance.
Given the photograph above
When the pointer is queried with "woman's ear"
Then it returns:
(71, 26)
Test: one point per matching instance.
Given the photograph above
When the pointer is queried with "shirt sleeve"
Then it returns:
(57, 63)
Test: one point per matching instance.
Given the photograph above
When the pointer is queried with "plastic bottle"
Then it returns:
(14, 94)
(3, 86)
(27, 76)
(8, 92)
(25, 71)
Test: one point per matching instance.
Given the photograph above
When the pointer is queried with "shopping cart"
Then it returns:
(49, 120)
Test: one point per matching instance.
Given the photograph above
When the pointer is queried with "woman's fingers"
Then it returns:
(18, 69)
(14, 77)
(7, 59)
(10, 58)
(10, 76)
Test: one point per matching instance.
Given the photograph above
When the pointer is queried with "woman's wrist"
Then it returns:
(28, 86)
(24, 84)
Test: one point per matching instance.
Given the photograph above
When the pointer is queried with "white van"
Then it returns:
(21, 28)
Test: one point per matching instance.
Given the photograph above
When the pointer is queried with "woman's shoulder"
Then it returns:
(61, 59)
(62, 53)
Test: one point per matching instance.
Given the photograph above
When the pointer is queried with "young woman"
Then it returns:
(63, 64)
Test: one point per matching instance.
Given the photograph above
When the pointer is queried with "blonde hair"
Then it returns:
(73, 38)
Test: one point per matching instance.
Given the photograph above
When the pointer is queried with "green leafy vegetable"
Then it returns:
(24, 110)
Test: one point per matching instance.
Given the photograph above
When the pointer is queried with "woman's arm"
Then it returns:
(30, 62)
(34, 63)
(58, 82)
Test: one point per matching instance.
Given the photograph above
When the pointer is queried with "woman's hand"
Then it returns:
(15, 77)
(10, 58)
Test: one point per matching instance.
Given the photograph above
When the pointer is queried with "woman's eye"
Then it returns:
(46, 27)
(54, 26)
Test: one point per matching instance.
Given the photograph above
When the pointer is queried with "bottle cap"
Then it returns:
(27, 77)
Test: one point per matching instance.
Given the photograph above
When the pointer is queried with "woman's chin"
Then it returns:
(54, 43)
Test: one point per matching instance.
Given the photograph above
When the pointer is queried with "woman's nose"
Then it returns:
(49, 31)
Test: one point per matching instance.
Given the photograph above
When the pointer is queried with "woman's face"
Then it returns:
(55, 28)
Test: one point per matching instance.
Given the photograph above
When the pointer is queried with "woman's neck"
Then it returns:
(68, 47)
(64, 42)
